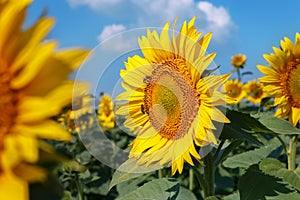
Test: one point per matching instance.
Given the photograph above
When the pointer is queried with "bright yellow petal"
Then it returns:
(12, 187)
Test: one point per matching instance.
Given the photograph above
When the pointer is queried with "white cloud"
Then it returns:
(147, 13)
(111, 38)
(216, 15)
(110, 30)
(217, 18)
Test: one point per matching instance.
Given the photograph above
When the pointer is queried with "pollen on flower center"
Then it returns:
(255, 91)
(291, 83)
(170, 101)
(234, 92)
(8, 101)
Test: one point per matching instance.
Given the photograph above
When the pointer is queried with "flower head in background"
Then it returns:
(34, 87)
(282, 79)
(170, 105)
(254, 91)
(106, 114)
(82, 102)
(234, 91)
(238, 60)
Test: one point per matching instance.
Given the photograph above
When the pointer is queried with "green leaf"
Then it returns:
(120, 176)
(84, 157)
(130, 185)
(211, 198)
(254, 184)
(185, 194)
(241, 127)
(244, 160)
(277, 125)
(129, 170)
(226, 151)
(247, 73)
(233, 196)
(281, 196)
(275, 168)
(208, 72)
(264, 102)
(157, 189)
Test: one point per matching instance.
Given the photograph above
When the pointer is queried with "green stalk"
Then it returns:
(239, 74)
(292, 152)
(209, 174)
(200, 180)
(79, 188)
(160, 173)
(191, 179)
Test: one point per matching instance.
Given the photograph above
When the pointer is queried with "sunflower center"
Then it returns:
(106, 109)
(255, 91)
(291, 83)
(170, 100)
(234, 92)
(8, 101)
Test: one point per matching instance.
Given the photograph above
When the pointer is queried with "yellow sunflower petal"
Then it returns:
(170, 106)
(12, 187)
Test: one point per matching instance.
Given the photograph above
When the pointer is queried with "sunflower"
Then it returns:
(106, 115)
(282, 79)
(168, 103)
(254, 91)
(238, 60)
(81, 106)
(33, 88)
(234, 91)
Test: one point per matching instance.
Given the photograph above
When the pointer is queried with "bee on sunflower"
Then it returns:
(170, 104)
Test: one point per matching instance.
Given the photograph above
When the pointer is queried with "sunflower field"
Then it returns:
(176, 128)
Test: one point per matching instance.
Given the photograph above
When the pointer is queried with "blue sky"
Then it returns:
(248, 27)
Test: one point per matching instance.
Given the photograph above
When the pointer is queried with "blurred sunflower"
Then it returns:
(33, 88)
(170, 105)
(234, 91)
(106, 114)
(238, 60)
(82, 105)
(282, 79)
(254, 91)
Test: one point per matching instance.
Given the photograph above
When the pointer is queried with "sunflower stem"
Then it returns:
(201, 180)
(160, 173)
(191, 179)
(292, 152)
(282, 143)
(209, 174)
(239, 75)
(79, 188)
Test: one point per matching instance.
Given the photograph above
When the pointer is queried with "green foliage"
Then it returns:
(275, 168)
(156, 189)
(185, 194)
(241, 127)
(246, 159)
(241, 166)
(233, 196)
(285, 196)
(120, 176)
(254, 184)
(277, 125)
